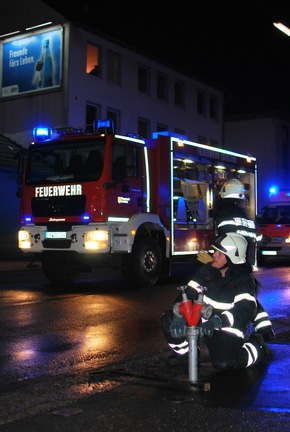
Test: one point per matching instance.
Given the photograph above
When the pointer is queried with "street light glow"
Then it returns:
(282, 28)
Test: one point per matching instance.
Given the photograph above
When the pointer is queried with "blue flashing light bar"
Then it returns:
(42, 133)
(105, 126)
(27, 219)
(86, 218)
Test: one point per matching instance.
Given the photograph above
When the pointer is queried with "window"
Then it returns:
(161, 127)
(201, 139)
(179, 93)
(115, 116)
(92, 114)
(125, 161)
(162, 87)
(179, 131)
(114, 67)
(214, 143)
(143, 127)
(213, 107)
(201, 102)
(93, 60)
(144, 79)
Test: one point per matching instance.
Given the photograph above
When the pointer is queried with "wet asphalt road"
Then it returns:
(144, 394)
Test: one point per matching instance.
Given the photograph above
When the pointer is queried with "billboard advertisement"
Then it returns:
(31, 63)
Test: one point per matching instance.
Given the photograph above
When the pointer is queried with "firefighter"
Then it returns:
(231, 291)
(231, 216)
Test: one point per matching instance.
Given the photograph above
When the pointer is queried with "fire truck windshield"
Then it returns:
(70, 161)
(276, 214)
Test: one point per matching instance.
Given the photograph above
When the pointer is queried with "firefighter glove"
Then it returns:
(177, 327)
(207, 328)
(204, 257)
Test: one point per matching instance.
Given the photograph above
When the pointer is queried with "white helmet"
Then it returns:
(233, 189)
(233, 245)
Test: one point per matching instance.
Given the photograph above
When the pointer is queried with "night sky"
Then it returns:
(229, 43)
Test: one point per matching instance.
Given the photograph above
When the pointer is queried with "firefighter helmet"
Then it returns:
(233, 245)
(233, 189)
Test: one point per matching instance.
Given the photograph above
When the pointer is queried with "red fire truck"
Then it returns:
(107, 199)
(274, 226)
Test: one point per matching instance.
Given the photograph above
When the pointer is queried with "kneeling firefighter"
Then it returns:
(231, 291)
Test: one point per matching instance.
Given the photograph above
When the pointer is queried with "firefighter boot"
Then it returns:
(263, 325)
(263, 351)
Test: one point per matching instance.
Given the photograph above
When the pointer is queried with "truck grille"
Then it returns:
(59, 206)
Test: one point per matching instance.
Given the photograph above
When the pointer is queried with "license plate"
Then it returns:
(55, 235)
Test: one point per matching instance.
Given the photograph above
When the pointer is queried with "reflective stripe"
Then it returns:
(182, 344)
(263, 324)
(229, 222)
(180, 349)
(195, 286)
(229, 316)
(226, 306)
(216, 304)
(252, 353)
(247, 233)
(261, 315)
(234, 331)
(245, 296)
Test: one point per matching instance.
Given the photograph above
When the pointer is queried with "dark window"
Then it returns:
(162, 87)
(213, 107)
(144, 79)
(114, 67)
(143, 127)
(201, 102)
(179, 93)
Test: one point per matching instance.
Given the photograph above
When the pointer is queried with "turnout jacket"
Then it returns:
(233, 297)
(229, 217)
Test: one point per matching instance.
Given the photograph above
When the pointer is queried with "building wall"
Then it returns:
(67, 106)
(265, 136)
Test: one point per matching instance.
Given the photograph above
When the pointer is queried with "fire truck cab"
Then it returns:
(274, 226)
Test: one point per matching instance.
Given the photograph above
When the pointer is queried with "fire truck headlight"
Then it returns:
(97, 239)
(24, 240)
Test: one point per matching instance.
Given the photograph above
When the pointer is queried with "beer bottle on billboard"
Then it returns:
(47, 66)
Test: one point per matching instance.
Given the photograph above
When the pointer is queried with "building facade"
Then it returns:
(62, 74)
(265, 136)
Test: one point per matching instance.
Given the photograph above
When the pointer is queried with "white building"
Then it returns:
(94, 77)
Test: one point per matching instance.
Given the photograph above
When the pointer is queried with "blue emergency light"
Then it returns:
(42, 133)
(273, 190)
(105, 126)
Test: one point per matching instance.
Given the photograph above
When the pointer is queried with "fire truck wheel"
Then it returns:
(58, 270)
(143, 266)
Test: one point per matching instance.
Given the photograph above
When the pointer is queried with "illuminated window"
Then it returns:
(93, 60)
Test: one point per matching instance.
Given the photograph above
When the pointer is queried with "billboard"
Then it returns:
(31, 63)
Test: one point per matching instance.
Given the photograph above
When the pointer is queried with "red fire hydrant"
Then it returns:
(193, 311)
